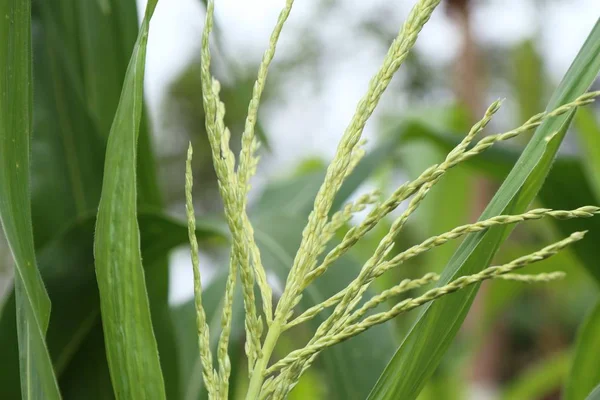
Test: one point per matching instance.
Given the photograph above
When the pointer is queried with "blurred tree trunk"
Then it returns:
(468, 73)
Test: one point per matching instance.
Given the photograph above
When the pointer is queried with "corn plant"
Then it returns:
(131, 329)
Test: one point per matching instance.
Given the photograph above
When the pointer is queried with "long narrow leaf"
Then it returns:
(585, 371)
(73, 278)
(130, 343)
(32, 303)
(82, 50)
(67, 151)
(433, 332)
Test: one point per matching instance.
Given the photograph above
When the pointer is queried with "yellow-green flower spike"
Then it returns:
(208, 372)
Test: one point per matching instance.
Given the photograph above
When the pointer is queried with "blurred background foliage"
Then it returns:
(517, 342)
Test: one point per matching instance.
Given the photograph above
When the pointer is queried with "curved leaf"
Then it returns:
(82, 50)
(32, 303)
(431, 335)
(67, 152)
(131, 347)
(73, 278)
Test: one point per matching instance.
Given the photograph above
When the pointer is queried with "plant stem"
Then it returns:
(258, 374)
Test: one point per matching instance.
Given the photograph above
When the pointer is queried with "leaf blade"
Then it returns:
(431, 335)
(73, 326)
(32, 303)
(131, 346)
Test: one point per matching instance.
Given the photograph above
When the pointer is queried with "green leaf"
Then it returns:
(67, 152)
(159, 234)
(73, 278)
(32, 302)
(585, 370)
(81, 50)
(433, 332)
(588, 130)
(107, 36)
(80, 82)
(131, 346)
